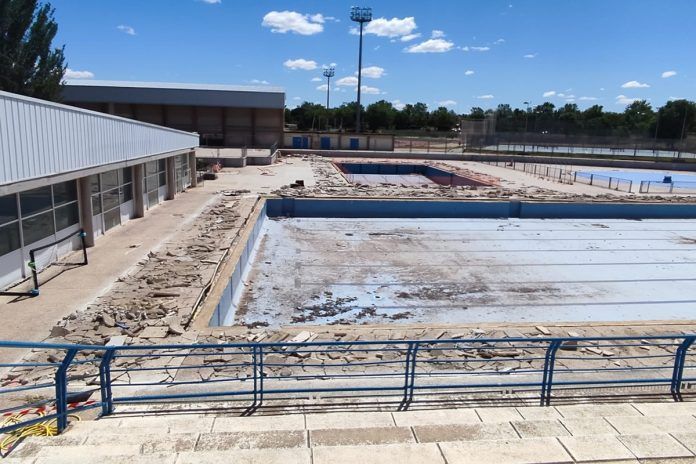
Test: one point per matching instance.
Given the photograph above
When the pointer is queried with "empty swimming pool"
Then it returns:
(403, 174)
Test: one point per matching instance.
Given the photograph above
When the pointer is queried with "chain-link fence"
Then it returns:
(677, 187)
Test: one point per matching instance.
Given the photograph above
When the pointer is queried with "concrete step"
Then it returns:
(578, 433)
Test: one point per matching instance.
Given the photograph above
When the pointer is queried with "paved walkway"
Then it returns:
(631, 433)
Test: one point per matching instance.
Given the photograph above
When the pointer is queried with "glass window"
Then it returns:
(162, 164)
(9, 238)
(8, 208)
(151, 183)
(127, 175)
(151, 168)
(110, 199)
(152, 198)
(162, 179)
(37, 227)
(96, 204)
(110, 180)
(65, 192)
(126, 193)
(36, 200)
(112, 219)
(67, 216)
(94, 184)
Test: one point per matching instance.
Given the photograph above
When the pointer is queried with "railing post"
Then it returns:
(678, 371)
(407, 373)
(105, 382)
(62, 390)
(260, 363)
(254, 361)
(547, 382)
(414, 355)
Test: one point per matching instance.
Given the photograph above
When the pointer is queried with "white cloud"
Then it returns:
(437, 34)
(316, 79)
(668, 74)
(675, 98)
(634, 85)
(447, 103)
(486, 97)
(323, 87)
(126, 29)
(531, 56)
(469, 72)
(373, 72)
(300, 63)
(474, 49)
(211, 2)
(291, 21)
(72, 74)
(624, 100)
(410, 37)
(367, 90)
(431, 46)
(258, 81)
(499, 41)
(588, 98)
(565, 95)
(398, 104)
(549, 93)
(395, 27)
(348, 81)
(296, 98)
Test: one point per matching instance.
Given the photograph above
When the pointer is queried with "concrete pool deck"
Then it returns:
(382, 271)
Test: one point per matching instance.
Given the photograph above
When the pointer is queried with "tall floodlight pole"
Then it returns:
(328, 74)
(362, 16)
(526, 116)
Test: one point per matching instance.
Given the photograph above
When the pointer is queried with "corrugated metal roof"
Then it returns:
(175, 85)
(40, 139)
(162, 93)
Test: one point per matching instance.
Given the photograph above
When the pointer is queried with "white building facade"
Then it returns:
(65, 169)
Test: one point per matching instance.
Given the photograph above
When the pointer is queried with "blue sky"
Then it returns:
(456, 53)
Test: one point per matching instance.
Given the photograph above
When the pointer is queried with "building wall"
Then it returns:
(39, 139)
(334, 141)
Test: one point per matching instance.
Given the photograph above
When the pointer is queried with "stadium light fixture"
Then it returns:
(360, 15)
(328, 74)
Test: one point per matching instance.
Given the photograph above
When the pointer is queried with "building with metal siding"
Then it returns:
(223, 115)
(63, 169)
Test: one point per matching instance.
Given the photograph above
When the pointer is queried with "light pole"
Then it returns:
(362, 16)
(328, 74)
(526, 116)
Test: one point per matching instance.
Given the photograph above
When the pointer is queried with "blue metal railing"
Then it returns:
(563, 367)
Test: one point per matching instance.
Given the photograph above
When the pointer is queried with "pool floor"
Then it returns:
(386, 271)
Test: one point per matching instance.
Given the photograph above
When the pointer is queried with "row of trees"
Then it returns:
(671, 121)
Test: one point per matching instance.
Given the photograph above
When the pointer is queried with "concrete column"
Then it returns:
(171, 179)
(84, 196)
(192, 168)
(138, 193)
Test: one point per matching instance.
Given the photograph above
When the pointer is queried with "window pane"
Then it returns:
(96, 205)
(127, 175)
(35, 201)
(151, 183)
(152, 199)
(151, 168)
(162, 179)
(109, 180)
(65, 192)
(162, 164)
(9, 238)
(112, 219)
(8, 208)
(126, 193)
(94, 184)
(67, 215)
(110, 199)
(37, 227)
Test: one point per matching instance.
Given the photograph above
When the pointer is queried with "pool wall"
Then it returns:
(439, 176)
(222, 303)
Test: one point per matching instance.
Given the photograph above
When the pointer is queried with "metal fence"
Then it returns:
(599, 180)
(61, 378)
(428, 144)
(677, 187)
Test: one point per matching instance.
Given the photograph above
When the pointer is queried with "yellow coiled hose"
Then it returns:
(47, 428)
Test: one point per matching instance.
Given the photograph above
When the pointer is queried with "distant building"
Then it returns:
(223, 115)
(63, 169)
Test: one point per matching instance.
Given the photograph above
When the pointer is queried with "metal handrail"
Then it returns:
(421, 365)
